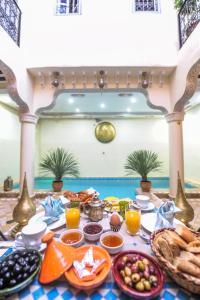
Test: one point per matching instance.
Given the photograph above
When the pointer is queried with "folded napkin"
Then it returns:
(165, 215)
(53, 207)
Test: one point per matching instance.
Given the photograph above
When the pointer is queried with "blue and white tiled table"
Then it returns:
(108, 291)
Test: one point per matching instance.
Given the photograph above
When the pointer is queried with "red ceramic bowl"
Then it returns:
(155, 291)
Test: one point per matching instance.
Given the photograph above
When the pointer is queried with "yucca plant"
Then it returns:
(59, 162)
(142, 162)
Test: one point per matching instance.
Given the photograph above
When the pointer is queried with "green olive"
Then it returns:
(124, 259)
(122, 273)
(139, 286)
(127, 280)
(135, 277)
(141, 265)
(127, 271)
(147, 285)
(153, 279)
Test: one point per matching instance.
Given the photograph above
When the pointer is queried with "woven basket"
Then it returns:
(188, 282)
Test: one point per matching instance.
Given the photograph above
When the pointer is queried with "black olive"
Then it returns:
(12, 282)
(4, 270)
(17, 268)
(35, 252)
(33, 268)
(16, 256)
(7, 276)
(10, 263)
(24, 275)
(2, 283)
(19, 277)
(21, 261)
(27, 259)
(4, 263)
(26, 268)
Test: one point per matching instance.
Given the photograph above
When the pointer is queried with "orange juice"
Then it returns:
(132, 218)
(72, 217)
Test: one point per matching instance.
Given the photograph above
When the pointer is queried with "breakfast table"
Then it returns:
(60, 289)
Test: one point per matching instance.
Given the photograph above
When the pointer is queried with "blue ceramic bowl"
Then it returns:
(23, 284)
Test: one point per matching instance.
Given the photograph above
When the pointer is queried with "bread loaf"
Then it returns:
(185, 233)
(187, 267)
(190, 257)
(179, 241)
(172, 244)
(165, 249)
(194, 246)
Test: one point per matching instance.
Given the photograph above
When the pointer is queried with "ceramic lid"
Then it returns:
(58, 258)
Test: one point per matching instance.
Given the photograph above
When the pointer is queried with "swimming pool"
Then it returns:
(120, 187)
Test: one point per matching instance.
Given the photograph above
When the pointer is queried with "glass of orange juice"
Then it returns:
(72, 217)
(132, 219)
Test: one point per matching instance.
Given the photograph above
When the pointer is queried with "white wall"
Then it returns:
(191, 126)
(106, 33)
(9, 145)
(104, 160)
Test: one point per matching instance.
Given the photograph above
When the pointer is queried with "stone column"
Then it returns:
(176, 159)
(27, 149)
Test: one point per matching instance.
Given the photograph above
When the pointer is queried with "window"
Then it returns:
(68, 7)
(146, 5)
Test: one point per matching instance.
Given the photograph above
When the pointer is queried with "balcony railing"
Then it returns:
(10, 19)
(189, 17)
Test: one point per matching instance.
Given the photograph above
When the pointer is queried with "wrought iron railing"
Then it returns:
(189, 17)
(10, 19)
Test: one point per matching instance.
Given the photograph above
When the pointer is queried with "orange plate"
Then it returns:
(98, 253)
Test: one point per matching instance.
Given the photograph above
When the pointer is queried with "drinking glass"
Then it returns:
(123, 206)
(72, 217)
(132, 219)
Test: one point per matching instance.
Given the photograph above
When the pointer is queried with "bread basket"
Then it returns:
(187, 281)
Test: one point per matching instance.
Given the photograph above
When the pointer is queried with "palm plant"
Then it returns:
(178, 4)
(142, 162)
(59, 162)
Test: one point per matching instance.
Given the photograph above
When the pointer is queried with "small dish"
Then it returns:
(112, 241)
(150, 206)
(131, 290)
(92, 227)
(72, 237)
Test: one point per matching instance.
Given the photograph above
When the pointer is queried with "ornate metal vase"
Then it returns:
(25, 207)
(8, 184)
(186, 214)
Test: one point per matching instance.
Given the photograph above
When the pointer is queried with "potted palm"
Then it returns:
(59, 162)
(143, 162)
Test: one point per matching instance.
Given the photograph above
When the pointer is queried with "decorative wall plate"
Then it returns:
(105, 132)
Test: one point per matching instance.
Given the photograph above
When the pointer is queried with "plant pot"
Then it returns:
(57, 185)
(145, 185)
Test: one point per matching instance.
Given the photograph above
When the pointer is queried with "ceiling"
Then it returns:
(101, 104)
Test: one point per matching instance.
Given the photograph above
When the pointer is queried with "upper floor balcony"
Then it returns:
(10, 19)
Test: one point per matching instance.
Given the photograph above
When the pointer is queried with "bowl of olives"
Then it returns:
(17, 270)
(137, 274)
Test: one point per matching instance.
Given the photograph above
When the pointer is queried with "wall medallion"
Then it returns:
(105, 132)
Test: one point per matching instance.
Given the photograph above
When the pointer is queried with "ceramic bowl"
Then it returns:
(75, 244)
(112, 250)
(142, 201)
(131, 291)
(20, 286)
(95, 236)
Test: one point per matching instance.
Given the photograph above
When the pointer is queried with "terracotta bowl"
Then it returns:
(99, 253)
(132, 292)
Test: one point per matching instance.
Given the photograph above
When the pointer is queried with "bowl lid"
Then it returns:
(58, 258)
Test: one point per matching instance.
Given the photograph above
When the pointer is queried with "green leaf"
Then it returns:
(59, 162)
(142, 162)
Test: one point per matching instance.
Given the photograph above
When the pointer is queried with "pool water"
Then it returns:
(119, 187)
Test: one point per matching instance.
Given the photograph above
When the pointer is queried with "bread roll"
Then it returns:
(179, 241)
(165, 249)
(187, 267)
(190, 257)
(194, 246)
(172, 244)
(185, 233)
